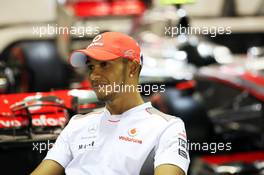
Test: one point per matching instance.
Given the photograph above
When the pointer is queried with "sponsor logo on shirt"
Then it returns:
(85, 146)
(89, 137)
(129, 139)
(92, 129)
(132, 132)
(92, 134)
(182, 153)
(182, 143)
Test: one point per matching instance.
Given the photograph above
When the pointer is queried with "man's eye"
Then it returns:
(103, 64)
(90, 67)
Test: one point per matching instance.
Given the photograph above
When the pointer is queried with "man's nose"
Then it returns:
(95, 74)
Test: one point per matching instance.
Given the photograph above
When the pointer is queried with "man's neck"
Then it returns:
(123, 103)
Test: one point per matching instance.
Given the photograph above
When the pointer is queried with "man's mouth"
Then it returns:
(97, 85)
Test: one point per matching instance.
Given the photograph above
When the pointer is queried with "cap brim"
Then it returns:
(79, 58)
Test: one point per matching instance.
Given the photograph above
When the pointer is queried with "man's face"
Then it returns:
(103, 75)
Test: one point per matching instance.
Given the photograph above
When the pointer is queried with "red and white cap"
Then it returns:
(107, 46)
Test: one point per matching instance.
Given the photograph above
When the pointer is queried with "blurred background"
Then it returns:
(209, 56)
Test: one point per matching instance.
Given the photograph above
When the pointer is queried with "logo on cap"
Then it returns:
(96, 41)
(130, 53)
(97, 38)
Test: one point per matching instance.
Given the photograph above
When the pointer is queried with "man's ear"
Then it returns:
(133, 68)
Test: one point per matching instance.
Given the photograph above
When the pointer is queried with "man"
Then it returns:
(118, 139)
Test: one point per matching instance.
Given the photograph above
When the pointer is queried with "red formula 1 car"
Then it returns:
(30, 123)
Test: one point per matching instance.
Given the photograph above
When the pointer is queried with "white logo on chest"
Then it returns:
(92, 129)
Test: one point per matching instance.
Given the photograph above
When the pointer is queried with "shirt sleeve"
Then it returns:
(172, 147)
(60, 152)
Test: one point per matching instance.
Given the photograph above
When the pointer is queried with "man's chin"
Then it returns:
(103, 97)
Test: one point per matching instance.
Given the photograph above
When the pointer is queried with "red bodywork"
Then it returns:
(43, 109)
(104, 8)
(247, 157)
(243, 74)
(43, 113)
(232, 163)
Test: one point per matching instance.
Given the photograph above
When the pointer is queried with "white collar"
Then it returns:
(128, 112)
